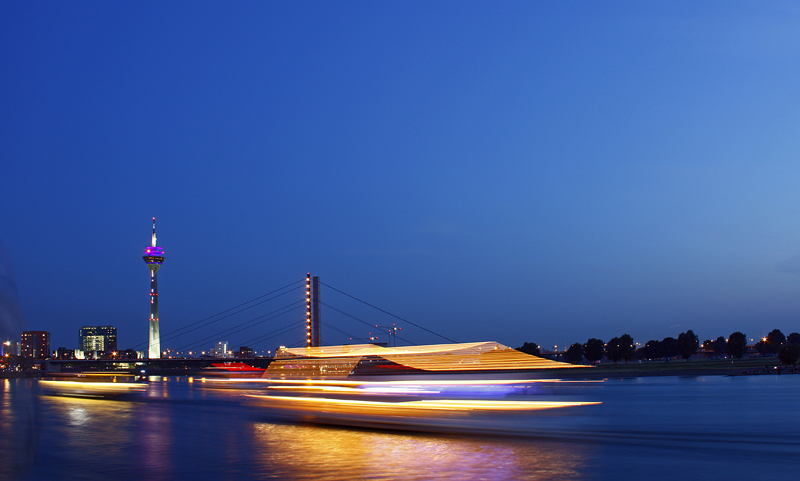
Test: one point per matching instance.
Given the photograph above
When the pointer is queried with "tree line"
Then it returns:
(687, 344)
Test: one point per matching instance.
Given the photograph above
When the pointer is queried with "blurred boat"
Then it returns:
(93, 385)
(474, 387)
(423, 414)
(238, 370)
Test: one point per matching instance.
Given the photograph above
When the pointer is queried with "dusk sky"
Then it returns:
(507, 171)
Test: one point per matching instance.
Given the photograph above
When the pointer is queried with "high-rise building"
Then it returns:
(11, 348)
(220, 350)
(244, 351)
(154, 257)
(64, 353)
(36, 344)
(98, 338)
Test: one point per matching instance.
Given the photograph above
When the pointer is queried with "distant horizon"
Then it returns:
(300, 323)
(544, 347)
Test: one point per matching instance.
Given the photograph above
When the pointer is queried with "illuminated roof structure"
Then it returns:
(341, 360)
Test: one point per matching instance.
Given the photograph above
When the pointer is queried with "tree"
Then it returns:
(530, 348)
(593, 350)
(687, 344)
(574, 354)
(669, 347)
(626, 347)
(652, 349)
(763, 347)
(790, 354)
(737, 345)
(720, 346)
(794, 338)
(613, 350)
(776, 340)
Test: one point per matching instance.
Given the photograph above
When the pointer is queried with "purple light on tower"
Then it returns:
(154, 257)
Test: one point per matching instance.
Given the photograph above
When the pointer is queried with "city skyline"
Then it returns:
(515, 173)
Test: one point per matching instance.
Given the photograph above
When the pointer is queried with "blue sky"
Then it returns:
(509, 171)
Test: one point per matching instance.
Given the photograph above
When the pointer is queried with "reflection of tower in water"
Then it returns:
(154, 257)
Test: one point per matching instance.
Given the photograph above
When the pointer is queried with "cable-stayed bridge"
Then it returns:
(290, 316)
(293, 315)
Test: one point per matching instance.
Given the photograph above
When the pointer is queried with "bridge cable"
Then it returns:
(348, 315)
(168, 336)
(299, 306)
(387, 312)
(373, 326)
(236, 307)
(229, 315)
(283, 330)
(343, 332)
(298, 344)
(227, 331)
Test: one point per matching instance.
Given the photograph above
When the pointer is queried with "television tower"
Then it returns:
(154, 257)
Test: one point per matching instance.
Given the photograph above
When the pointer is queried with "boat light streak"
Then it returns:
(414, 407)
(95, 386)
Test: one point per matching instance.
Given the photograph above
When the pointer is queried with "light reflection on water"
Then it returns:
(155, 431)
(712, 428)
(87, 424)
(328, 453)
(18, 430)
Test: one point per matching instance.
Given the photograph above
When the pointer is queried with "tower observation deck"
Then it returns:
(154, 257)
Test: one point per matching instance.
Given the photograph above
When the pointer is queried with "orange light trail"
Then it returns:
(426, 407)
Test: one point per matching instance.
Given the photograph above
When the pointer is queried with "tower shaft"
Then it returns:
(312, 311)
(154, 344)
(315, 318)
(308, 311)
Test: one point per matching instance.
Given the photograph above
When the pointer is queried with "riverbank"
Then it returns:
(19, 374)
(697, 367)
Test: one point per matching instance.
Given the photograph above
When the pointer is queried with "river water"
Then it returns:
(713, 427)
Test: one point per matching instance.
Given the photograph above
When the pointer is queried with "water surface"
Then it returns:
(712, 427)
